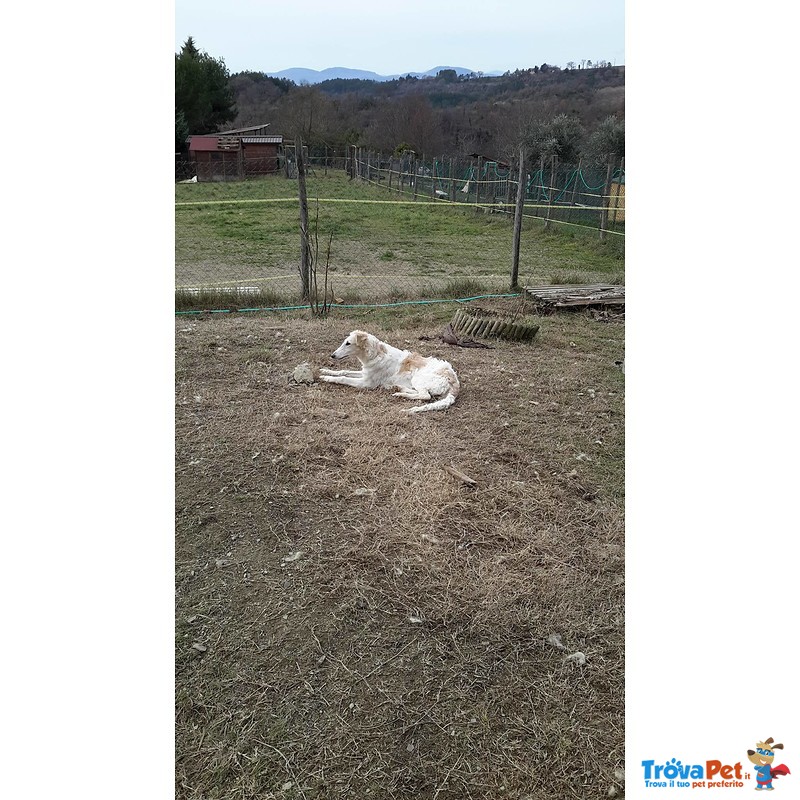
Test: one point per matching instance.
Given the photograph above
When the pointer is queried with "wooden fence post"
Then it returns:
(305, 248)
(518, 219)
(619, 196)
(604, 200)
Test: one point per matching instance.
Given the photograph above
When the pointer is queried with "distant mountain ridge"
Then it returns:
(305, 75)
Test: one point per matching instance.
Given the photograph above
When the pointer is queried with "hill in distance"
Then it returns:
(303, 75)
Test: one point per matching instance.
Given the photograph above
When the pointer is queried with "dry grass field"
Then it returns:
(353, 620)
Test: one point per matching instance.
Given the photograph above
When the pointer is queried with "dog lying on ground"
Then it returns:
(415, 377)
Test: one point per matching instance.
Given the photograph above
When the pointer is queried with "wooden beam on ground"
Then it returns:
(552, 297)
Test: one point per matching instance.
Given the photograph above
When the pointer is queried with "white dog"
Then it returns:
(385, 367)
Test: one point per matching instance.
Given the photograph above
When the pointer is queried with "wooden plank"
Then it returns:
(576, 295)
(590, 293)
(573, 287)
(590, 301)
(577, 291)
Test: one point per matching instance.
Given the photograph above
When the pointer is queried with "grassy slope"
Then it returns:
(411, 249)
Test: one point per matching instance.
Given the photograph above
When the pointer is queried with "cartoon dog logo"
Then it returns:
(762, 757)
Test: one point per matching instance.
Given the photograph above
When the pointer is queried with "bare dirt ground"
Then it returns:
(354, 621)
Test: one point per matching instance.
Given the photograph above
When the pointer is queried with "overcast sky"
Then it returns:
(413, 36)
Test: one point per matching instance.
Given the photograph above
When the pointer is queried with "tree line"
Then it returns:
(576, 113)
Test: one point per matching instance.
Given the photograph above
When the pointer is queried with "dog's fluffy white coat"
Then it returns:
(415, 377)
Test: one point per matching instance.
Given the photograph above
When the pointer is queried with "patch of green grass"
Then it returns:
(399, 293)
(187, 300)
(464, 287)
(566, 278)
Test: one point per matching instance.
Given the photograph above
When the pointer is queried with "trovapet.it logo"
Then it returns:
(674, 774)
(717, 774)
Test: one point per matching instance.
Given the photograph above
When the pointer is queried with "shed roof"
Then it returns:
(262, 139)
(259, 130)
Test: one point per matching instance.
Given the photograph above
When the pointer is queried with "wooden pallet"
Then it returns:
(228, 142)
(598, 294)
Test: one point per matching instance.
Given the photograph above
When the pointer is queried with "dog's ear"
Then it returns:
(362, 339)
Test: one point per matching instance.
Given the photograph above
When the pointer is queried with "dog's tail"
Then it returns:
(436, 405)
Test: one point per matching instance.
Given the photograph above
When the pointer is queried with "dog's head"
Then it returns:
(764, 753)
(358, 344)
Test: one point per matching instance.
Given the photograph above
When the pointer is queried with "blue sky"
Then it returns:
(390, 38)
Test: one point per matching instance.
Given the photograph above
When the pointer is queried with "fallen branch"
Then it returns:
(457, 473)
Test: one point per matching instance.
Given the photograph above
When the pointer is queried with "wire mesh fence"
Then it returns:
(383, 229)
(589, 196)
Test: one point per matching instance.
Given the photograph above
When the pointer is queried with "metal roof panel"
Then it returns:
(262, 139)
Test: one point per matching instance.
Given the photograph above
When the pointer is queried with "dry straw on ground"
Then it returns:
(355, 619)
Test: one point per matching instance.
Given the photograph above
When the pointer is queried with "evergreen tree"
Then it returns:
(181, 131)
(202, 91)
